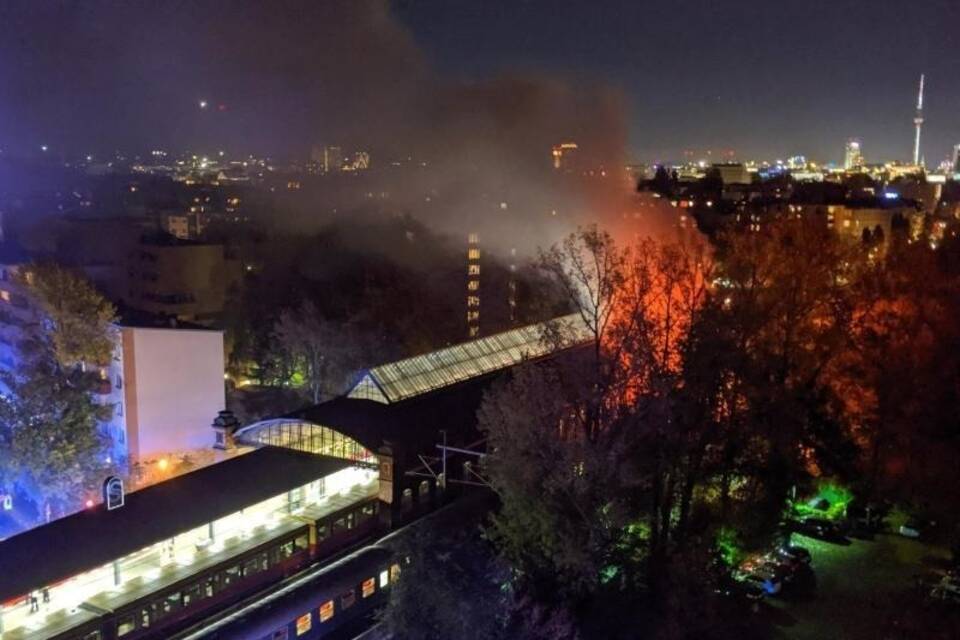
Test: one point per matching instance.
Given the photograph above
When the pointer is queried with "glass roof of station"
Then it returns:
(414, 376)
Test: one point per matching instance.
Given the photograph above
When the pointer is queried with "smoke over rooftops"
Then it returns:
(279, 77)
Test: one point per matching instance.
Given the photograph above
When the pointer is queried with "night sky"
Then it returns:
(766, 79)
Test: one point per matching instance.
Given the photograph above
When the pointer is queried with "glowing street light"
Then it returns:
(203, 104)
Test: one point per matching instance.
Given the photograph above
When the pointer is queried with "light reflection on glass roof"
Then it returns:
(411, 377)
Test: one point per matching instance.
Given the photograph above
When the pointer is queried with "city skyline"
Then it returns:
(763, 83)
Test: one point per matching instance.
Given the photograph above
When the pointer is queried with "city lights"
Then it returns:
(572, 320)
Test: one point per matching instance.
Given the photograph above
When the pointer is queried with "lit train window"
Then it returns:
(326, 611)
(304, 623)
(394, 572)
(125, 626)
(384, 578)
(300, 543)
(368, 586)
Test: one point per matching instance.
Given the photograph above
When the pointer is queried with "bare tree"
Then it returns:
(309, 345)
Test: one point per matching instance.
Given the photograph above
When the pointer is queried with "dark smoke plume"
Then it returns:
(282, 76)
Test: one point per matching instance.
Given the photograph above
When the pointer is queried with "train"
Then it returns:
(338, 600)
(347, 592)
(158, 615)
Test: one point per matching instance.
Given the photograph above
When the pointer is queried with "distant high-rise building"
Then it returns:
(361, 161)
(796, 162)
(918, 123)
(332, 159)
(956, 158)
(512, 287)
(473, 285)
(564, 155)
(853, 154)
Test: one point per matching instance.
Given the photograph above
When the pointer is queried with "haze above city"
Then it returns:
(682, 79)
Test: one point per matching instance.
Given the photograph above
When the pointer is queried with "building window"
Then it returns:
(304, 623)
(473, 254)
(326, 611)
(473, 285)
(473, 270)
(473, 301)
(368, 587)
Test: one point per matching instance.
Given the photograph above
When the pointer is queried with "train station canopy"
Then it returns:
(404, 379)
(96, 536)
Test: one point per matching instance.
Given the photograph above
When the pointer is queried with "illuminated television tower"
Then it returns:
(918, 122)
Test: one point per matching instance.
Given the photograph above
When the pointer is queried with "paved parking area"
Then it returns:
(863, 588)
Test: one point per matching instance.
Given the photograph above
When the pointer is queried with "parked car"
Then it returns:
(737, 589)
(765, 580)
(794, 553)
(911, 528)
(819, 528)
(761, 574)
(947, 590)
